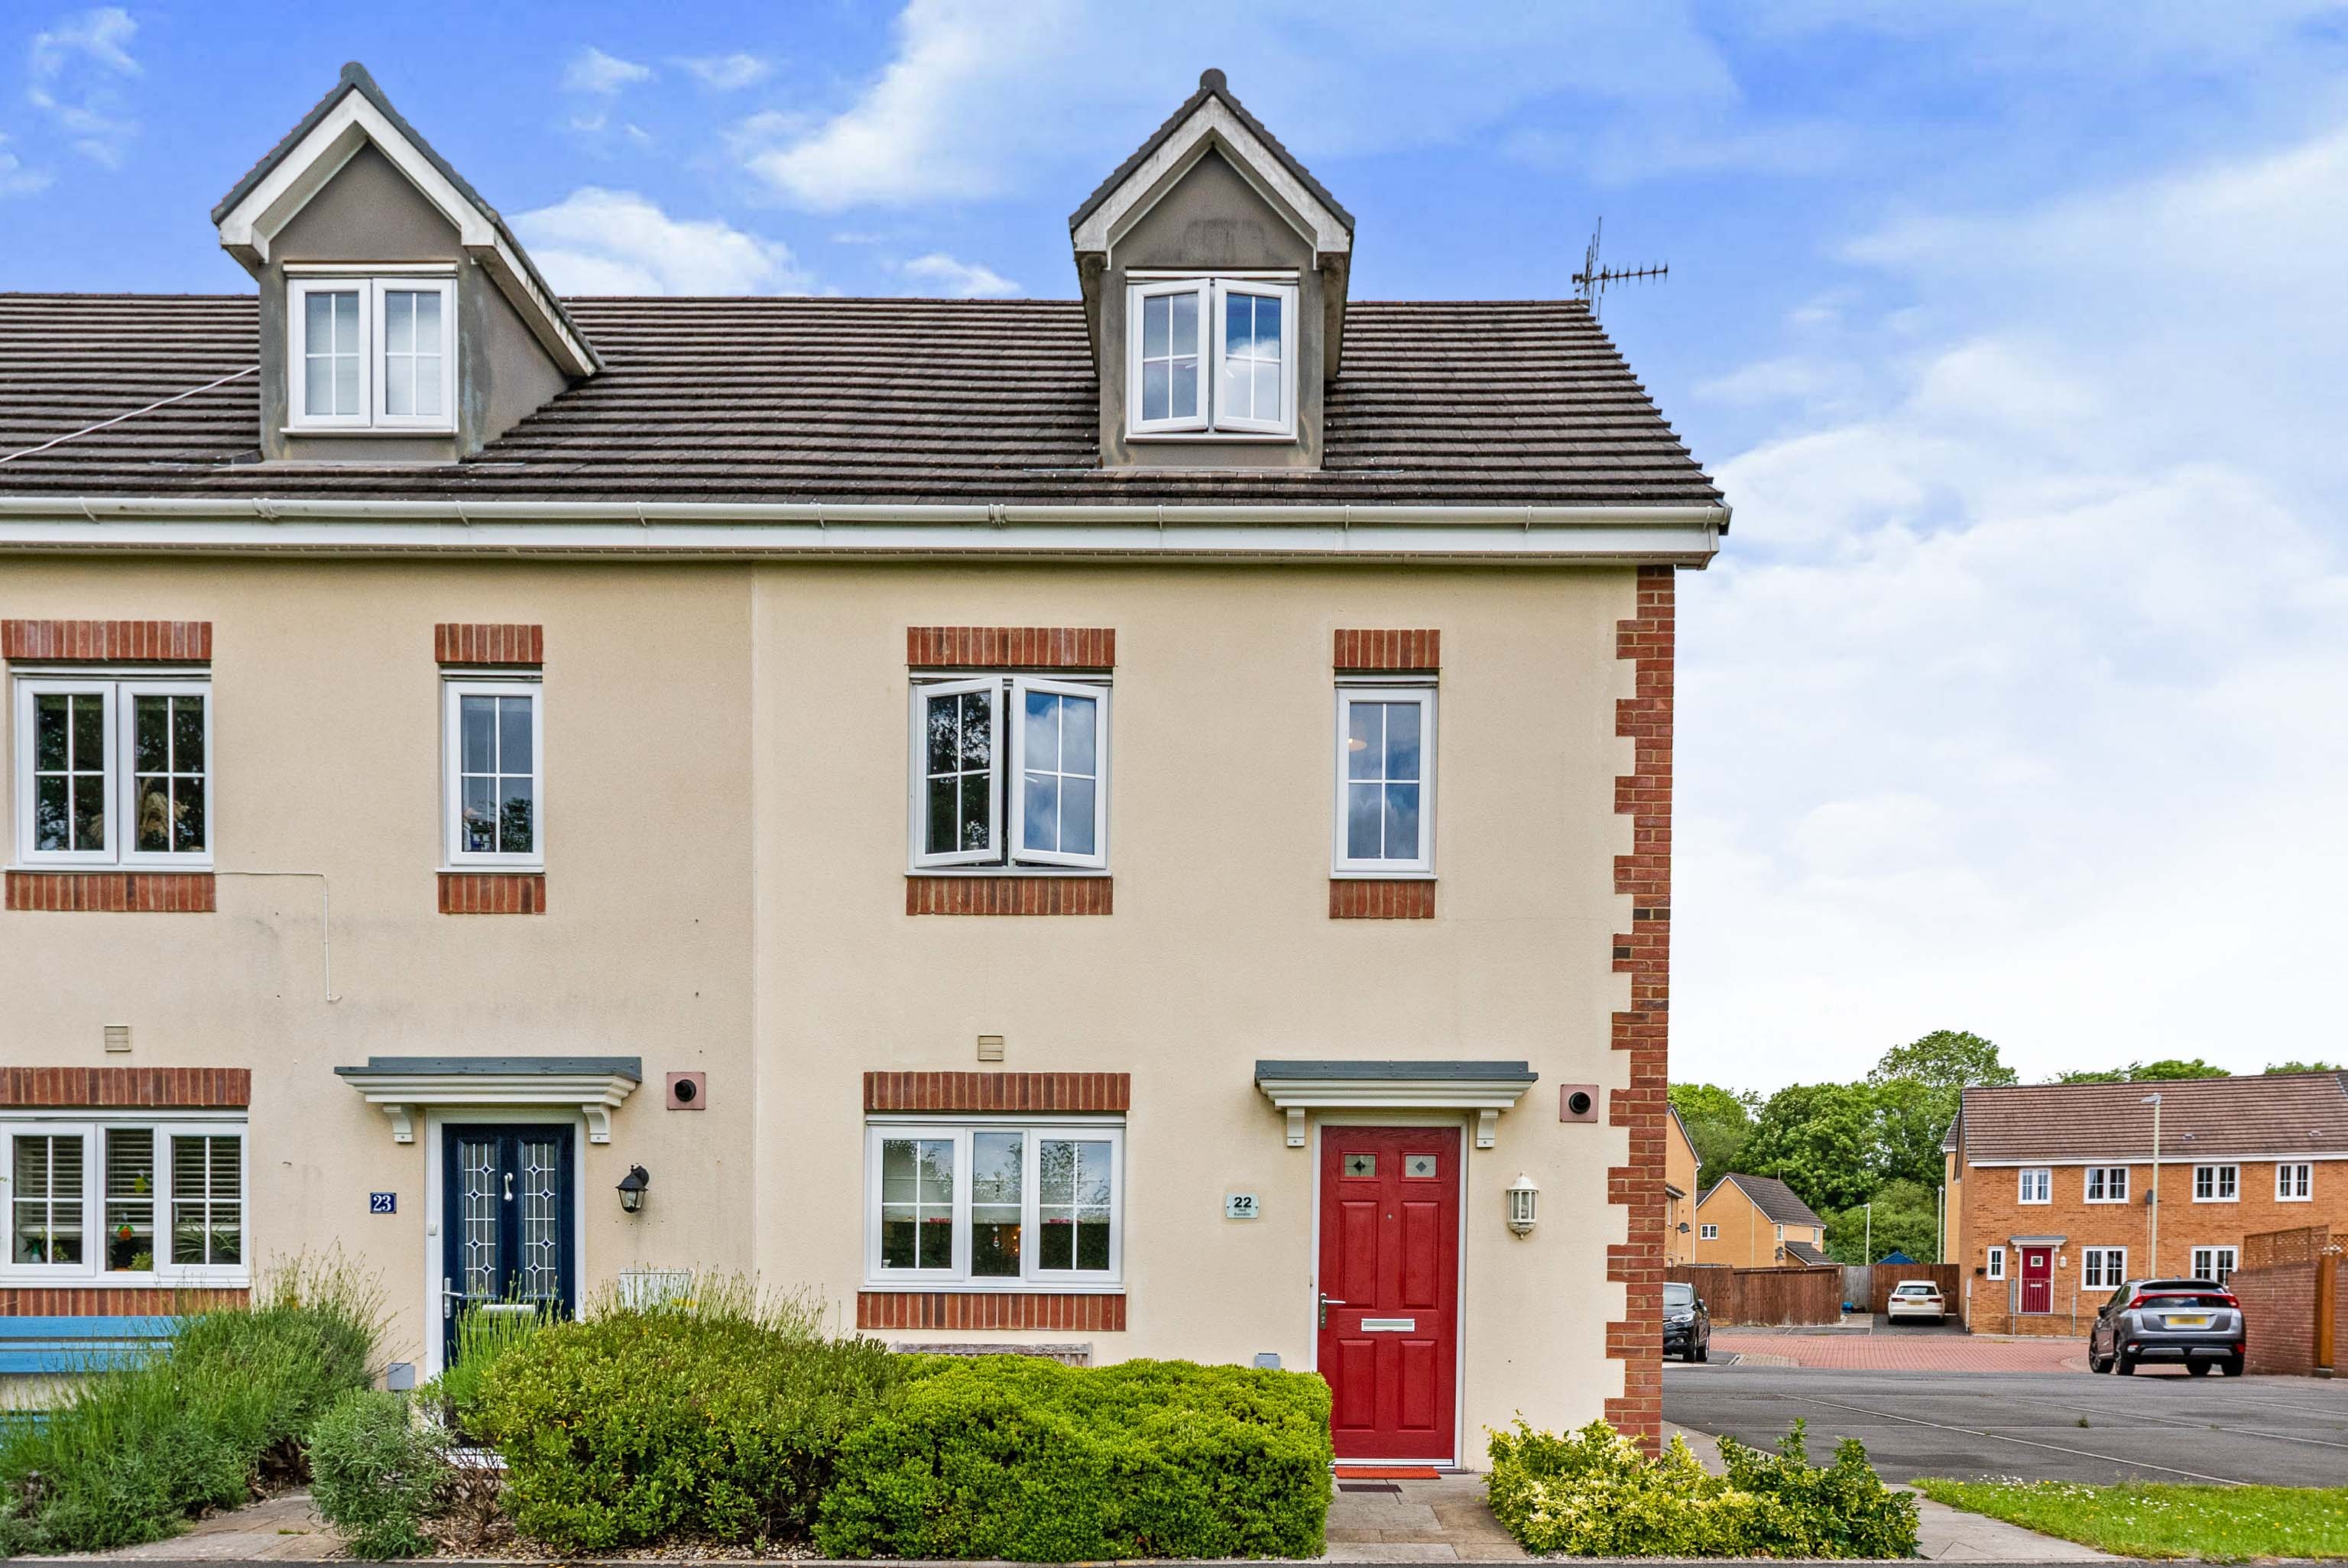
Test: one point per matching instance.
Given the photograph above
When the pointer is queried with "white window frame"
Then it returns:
(1707, 1233)
(1034, 1132)
(2233, 1262)
(1201, 288)
(454, 689)
(91, 1128)
(2111, 1194)
(2303, 1180)
(372, 292)
(1996, 1263)
(1286, 294)
(1423, 692)
(118, 692)
(1211, 421)
(2225, 1184)
(2037, 1178)
(2099, 1271)
(1006, 852)
(1012, 787)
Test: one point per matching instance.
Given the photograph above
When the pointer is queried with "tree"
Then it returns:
(1905, 1220)
(1819, 1139)
(1948, 1059)
(1718, 1122)
(1910, 1120)
(2305, 1067)
(2167, 1070)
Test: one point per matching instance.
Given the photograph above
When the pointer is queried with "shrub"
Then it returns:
(133, 1450)
(1022, 1457)
(375, 1471)
(716, 1416)
(481, 1339)
(1595, 1494)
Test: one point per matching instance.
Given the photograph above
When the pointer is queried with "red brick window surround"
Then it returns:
(1365, 652)
(1370, 898)
(115, 1300)
(489, 644)
(112, 892)
(1011, 647)
(989, 894)
(1097, 1312)
(998, 1092)
(121, 1088)
(492, 892)
(1360, 650)
(108, 641)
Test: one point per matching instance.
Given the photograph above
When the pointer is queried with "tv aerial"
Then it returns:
(1590, 284)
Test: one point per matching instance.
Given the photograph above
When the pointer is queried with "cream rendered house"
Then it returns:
(1132, 826)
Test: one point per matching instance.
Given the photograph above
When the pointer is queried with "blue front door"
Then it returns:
(506, 1221)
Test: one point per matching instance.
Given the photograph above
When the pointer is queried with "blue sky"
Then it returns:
(2014, 331)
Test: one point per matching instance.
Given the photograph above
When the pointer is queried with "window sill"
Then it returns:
(987, 1287)
(1248, 438)
(61, 890)
(1364, 874)
(425, 430)
(38, 1279)
(947, 892)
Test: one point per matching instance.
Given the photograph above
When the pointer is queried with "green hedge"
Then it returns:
(375, 1471)
(717, 1423)
(1021, 1457)
(132, 1452)
(1594, 1494)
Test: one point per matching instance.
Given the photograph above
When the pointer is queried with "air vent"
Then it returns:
(117, 1037)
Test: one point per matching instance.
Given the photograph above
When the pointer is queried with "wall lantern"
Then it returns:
(1524, 1205)
(631, 1188)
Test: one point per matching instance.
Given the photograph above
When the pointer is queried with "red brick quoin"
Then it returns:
(988, 1309)
(488, 642)
(108, 642)
(998, 1092)
(113, 892)
(114, 1088)
(1011, 647)
(1645, 795)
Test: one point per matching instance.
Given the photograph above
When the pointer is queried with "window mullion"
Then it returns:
(959, 1253)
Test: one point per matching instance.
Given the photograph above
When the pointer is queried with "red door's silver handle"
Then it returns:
(1327, 1302)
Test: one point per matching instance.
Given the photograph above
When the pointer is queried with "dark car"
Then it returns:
(2195, 1321)
(1687, 1326)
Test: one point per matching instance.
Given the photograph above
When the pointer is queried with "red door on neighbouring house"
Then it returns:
(1389, 1289)
(2038, 1279)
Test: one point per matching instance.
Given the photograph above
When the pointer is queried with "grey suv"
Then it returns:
(2195, 1321)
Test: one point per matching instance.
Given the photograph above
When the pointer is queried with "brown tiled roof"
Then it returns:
(1773, 1197)
(2284, 1113)
(1802, 1251)
(896, 401)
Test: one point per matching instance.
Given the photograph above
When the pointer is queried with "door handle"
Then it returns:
(508, 1186)
(1327, 1302)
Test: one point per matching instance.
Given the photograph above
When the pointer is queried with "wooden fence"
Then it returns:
(1888, 1275)
(1764, 1295)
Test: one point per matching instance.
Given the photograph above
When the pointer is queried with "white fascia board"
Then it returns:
(1663, 535)
(254, 223)
(2144, 1157)
(1213, 122)
(594, 1095)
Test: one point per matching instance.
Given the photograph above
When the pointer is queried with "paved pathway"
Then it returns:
(283, 1529)
(1897, 1350)
(1444, 1520)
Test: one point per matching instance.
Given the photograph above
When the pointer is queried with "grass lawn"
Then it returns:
(2222, 1523)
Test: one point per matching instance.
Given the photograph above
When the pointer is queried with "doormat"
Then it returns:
(1387, 1473)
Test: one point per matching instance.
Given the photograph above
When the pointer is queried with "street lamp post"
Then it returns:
(2152, 1263)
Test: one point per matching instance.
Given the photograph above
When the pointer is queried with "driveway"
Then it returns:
(2050, 1425)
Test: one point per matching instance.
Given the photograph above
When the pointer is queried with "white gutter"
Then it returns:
(1672, 535)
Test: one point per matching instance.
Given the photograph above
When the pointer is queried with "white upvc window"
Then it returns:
(1708, 1233)
(114, 770)
(1997, 1262)
(371, 353)
(493, 757)
(994, 1204)
(124, 1201)
(2108, 1184)
(2217, 1183)
(1385, 781)
(2101, 1268)
(2037, 1184)
(1216, 353)
(1009, 770)
(2294, 1181)
(2214, 1263)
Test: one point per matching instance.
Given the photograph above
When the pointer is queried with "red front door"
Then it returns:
(2038, 1279)
(1389, 1304)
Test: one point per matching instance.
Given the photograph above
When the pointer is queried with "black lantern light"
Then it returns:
(631, 1188)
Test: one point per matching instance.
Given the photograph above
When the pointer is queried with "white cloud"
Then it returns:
(728, 73)
(938, 273)
(597, 241)
(591, 70)
(73, 75)
(2012, 702)
(15, 179)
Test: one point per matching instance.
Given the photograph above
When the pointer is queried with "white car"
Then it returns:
(1916, 1299)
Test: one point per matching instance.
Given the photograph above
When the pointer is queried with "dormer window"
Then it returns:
(371, 353)
(1212, 355)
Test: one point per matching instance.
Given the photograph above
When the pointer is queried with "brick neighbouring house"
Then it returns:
(1757, 1222)
(2050, 1186)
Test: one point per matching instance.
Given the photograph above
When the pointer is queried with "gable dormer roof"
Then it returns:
(1208, 116)
(356, 114)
